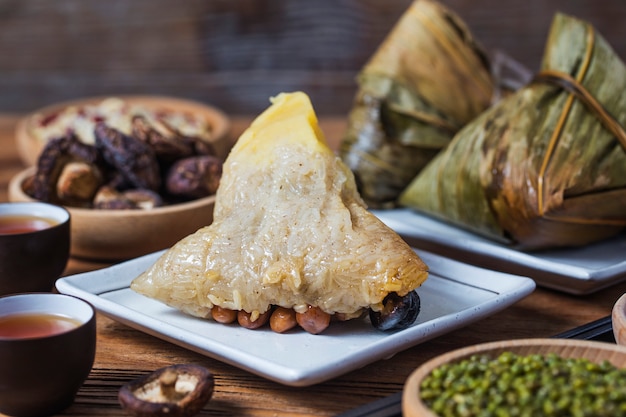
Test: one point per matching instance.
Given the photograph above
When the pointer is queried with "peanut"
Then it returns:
(283, 319)
(245, 320)
(223, 315)
(314, 320)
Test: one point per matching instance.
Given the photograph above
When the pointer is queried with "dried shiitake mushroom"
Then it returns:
(166, 148)
(194, 177)
(108, 198)
(51, 163)
(176, 391)
(135, 160)
(78, 183)
(145, 169)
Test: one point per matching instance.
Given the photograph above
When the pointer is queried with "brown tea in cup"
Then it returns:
(11, 224)
(27, 325)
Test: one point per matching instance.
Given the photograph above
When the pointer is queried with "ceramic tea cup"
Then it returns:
(47, 346)
(34, 246)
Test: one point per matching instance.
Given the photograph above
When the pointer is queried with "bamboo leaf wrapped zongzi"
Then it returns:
(426, 80)
(546, 166)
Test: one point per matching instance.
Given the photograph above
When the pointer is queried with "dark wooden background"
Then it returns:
(237, 53)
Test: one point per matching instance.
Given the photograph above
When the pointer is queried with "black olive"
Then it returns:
(397, 313)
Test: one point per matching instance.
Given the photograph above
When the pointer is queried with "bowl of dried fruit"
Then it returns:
(136, 176)
(520, 377)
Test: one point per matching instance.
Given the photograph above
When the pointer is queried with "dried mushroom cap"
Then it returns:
(78, 183)
(169, 143)
(194, 177)
(108, 198)
(177, 391)
(144, 199)
(53, 158)
(135, 160)
(166, 148)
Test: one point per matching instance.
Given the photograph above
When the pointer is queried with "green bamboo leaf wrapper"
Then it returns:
(493, 178)
(426, 80)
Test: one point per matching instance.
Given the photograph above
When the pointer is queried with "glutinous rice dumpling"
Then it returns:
(290, 234)
(546, 166)
(426, 80)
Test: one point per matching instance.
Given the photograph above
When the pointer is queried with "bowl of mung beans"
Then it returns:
(525, 377)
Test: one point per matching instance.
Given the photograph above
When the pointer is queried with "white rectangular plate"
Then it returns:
(576, 271)
(454, 295)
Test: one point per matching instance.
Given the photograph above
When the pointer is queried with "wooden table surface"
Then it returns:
(123, 353)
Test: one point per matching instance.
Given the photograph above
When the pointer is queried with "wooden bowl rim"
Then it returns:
(618, 319)
(219, 120)
(412, 406)
(15, 190)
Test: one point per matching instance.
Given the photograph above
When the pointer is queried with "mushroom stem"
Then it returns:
(167, 381)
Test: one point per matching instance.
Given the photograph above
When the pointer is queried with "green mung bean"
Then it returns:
(525, 385)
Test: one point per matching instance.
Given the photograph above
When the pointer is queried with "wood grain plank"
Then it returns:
(236, 54)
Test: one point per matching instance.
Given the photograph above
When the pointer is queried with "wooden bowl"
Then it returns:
(596, 352)
(29, 147)
(109, 235)
(618, 317)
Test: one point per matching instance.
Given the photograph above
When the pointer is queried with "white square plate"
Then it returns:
(454, 295)
(576, 271)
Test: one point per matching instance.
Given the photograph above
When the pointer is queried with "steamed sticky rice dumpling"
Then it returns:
(546, 167)
(290, 233)
(426, 80)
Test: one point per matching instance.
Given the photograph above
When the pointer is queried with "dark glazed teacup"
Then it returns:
(34, 246)
(41, 374)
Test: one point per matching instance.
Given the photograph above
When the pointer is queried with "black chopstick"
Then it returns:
(599, 330)
(391, 406)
